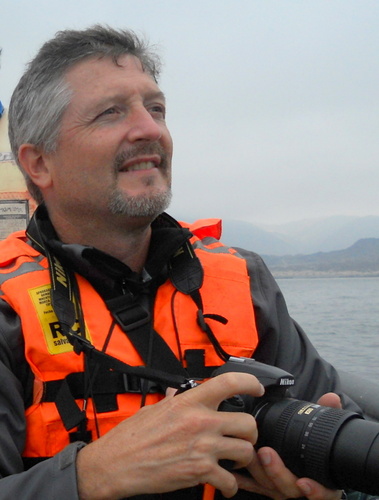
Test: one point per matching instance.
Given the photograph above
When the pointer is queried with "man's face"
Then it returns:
(114, 150)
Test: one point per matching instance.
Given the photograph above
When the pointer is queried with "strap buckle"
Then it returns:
(129, 314)
(137, 385)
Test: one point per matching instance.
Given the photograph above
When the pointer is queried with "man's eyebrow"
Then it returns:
(107, 100)
(157, 95)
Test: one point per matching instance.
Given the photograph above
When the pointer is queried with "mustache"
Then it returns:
(141, 150)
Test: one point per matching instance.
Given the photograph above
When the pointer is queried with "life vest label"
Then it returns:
(56, 341)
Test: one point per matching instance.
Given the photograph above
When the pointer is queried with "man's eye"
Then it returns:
(109, 111)
(158, 110)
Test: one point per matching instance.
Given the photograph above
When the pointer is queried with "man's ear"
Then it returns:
(35, 164)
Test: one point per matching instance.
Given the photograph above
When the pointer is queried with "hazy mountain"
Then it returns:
(327, 234)
(360, 259)
(301, 237)
(246, 235)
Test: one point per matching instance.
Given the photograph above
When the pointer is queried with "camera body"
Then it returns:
(335, 447)
(271, 377)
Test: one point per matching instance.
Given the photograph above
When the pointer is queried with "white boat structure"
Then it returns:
(16, 204)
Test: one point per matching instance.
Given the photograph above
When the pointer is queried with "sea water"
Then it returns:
(341, 317)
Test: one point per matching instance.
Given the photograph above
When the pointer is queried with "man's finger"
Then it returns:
(330, 399)
(224, 386)
(314, 491)
(281, 477)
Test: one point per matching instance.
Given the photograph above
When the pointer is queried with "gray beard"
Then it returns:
(145, 205)
(140, 206)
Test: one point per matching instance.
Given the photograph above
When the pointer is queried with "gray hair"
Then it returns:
(42, 94)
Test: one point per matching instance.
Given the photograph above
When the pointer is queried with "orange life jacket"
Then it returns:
(25, 285)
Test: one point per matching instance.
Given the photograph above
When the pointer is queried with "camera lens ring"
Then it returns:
(318, 442)
(302, 433)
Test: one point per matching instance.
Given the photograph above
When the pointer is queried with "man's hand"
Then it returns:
(174, 444)
(270, 477)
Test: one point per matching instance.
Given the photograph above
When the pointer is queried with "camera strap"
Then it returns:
(186, 274)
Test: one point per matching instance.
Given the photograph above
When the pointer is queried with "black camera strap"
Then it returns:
(133, 315)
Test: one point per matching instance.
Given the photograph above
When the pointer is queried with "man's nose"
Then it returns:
(142, 126)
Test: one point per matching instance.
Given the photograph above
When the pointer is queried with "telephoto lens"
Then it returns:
(335, 447)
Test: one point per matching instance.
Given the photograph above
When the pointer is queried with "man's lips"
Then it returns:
(142, 163)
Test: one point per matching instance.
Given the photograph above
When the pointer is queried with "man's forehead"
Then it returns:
(96, 65)
(96, 82)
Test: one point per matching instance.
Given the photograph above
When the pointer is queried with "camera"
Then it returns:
(335, 447)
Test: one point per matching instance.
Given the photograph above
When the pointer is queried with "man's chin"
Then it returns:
(140, 206)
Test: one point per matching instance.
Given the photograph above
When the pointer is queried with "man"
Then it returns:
(104, 282)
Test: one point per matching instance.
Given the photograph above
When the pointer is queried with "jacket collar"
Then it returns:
(101, 268)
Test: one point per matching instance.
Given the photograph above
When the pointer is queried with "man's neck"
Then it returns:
(127, 241)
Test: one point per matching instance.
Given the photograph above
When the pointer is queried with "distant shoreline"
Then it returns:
(320, 274)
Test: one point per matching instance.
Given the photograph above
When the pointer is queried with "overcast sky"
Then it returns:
(273, 104)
